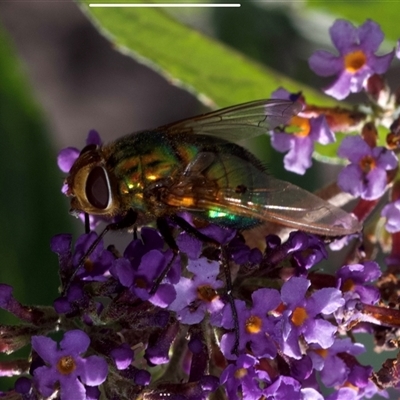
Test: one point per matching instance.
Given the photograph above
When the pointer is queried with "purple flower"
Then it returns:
(392, 214)
(303, 315)
(66, 158)
(196, 296)
(356, 61)
(29, 314)
(300, 144)
(311, 394)
(23, 385)
(256, 326)
(66, 366)
(140, 281)
(96, 266)
(159, 344)
(328, 360)
(7, 300)
(365, 176)
(189, 245)
(74, 300)
(150, 239)
(122, 356)
(243, 380)
(352, 281)
(142, 264)
(307, 250)
(219, 234)
(285, 387)
(243, 254)
(92, 393)
(358, 393)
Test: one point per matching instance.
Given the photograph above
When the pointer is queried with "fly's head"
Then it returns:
(91, 186)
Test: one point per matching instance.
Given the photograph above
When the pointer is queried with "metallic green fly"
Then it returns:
(194, 165)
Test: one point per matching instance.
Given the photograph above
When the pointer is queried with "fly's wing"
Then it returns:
(296, 208)
(238, 122)
(226, 186)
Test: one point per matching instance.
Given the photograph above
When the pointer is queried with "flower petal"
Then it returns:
(66, 158)
(45, 379)
(370, 35)
(75, 342)
(344, 35)
(46, 348)
(164, 296)
(326, 301)
(385, 159)
(349, 180)
(298, 159)
(324, 63)
(380, 64)
(93, 371)
(354, 148)
(340, 89)
(340, 375)
(320, 131)
(93, 137)
(321, 332)
(376, 184)
(72, 389)
(294, 290)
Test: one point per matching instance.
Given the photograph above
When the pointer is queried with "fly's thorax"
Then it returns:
(92, 185)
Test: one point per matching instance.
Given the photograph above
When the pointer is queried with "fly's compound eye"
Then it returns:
(98, 191)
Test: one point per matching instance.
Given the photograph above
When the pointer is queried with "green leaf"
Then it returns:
(202, 65)
(188, 58)
(32, 209)
(358, 11)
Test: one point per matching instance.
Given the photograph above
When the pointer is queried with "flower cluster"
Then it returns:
(272, 342)
(200, 314)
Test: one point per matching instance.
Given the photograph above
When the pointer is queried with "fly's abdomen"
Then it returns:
(236, 200)
(218, 184)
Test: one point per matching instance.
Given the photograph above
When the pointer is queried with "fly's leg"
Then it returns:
(87, 223)
(165, 231)
(229, 287)
(128, 220)
(224, 256)
(191, 230)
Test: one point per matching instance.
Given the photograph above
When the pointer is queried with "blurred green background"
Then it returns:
(66, 69)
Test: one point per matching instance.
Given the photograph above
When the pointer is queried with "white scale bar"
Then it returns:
(164, 5)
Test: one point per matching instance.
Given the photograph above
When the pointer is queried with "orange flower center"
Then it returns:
(206, 293)
(299, 316)
(367, 164)
(240, 373)
(303, 125)
(140, 282)
(351, 386)
(253, 324)
(66, 365)
(354, 61)
(88, 265)
(322, 352)
(348, 285)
